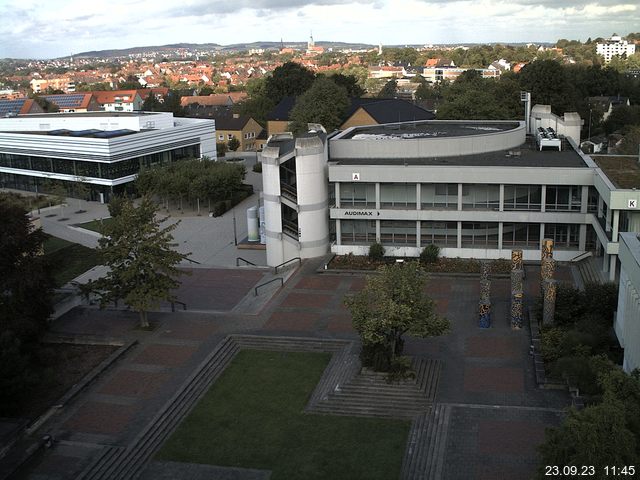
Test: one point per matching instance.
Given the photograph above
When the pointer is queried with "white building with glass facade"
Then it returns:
(103, 149)
(477, 189)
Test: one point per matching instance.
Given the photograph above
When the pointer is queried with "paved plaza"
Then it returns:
(496, 418)
(493, 414)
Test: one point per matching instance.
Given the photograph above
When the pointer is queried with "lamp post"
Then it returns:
(589, 138)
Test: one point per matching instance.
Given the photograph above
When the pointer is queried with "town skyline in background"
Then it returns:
(70, 26)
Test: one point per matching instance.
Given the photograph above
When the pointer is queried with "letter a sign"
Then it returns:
(355, 177)
(632, 203)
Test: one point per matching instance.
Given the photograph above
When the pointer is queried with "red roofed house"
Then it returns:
(119, 100)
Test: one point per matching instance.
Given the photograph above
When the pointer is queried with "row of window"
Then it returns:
(474, 196)
(445, 234)
(82, 168)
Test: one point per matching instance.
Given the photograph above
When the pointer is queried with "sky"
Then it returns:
(41, 29)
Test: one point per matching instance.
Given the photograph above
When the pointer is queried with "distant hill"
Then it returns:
(213, 47)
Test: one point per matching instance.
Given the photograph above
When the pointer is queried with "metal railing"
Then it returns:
(581, 256)
(298, 259)
(255, 290)
(238, 259)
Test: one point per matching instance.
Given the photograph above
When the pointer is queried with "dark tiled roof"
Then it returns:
(225, 122)
(396, 110)
(383, 110)
(281, 111)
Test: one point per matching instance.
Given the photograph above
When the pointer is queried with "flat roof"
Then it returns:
(526, 155)
(427, 129)
(622, 170)
(89, 114)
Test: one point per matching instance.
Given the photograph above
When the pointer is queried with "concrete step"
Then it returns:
(352, 411)
(424, 456)
(106, 457)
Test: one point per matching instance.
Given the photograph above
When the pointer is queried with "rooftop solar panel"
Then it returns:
(84, 133)
(114, 133)
(11, 106)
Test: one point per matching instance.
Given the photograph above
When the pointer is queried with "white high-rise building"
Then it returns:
(615, 46)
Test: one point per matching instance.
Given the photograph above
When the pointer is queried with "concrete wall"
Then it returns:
(627, 319)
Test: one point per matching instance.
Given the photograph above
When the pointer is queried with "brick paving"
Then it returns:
(133, 383)
(169, 355)
(102, 418)
(498, 414)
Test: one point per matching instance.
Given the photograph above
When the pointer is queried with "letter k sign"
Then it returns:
(355, 177)
(632, 204)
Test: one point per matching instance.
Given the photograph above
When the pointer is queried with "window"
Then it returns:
(564, 236)
(479, 235)
(398, 195)
(229, 136)
(443, 234)
(357, 195)
(357, 232)
(220, 137)
(439, 195)
(398, 232)
(480, 197)
(560, 198)
(523, 197)
(521, 235)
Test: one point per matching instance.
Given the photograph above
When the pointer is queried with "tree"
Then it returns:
(234, 144)
(81, 190)
(151, 104)
(392, 304)
(350, 84)
(288, 80)
(389, 90)
(142, 262)
(595, 436)
(325, 103)
(547, 82)
(26, 303)
(631, 142)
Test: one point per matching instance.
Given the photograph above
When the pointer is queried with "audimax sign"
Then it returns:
(361, 213)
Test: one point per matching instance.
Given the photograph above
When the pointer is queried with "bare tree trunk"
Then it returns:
(144, 321)
(198, 200)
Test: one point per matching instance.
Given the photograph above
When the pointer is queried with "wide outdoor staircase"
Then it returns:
(120, 463)
(589, 270)
(424, 455)
(369, 394)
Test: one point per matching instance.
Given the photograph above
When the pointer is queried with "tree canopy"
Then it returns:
(142, 261)
(325, 103)
(392, 304)
(25, 302)
(288, 80)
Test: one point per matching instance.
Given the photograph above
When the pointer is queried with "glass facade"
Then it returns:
(561, 198)
(398, 232)
(85, 168)
(398, 195)
(443, 234)
(523, 197)
(526, 235)
(480, 197)
(564, 236)
(358, 195)
(479, 235)
(439, 195)
(357, 232)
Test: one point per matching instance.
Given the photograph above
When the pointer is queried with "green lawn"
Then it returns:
(252, 418)
(68, 260)
(96, 225)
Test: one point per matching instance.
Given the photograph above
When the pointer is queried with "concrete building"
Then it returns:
(295, 194)
(627, 318)
(105, 150)
(477, 189)
(615, 46)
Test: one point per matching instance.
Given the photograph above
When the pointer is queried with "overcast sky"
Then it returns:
(41, 29)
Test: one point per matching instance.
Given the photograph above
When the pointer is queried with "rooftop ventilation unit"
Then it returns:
(547, 137)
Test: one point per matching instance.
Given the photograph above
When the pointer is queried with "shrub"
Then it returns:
(376, 251)
(551, 342)
(400, 369)
(429, 254)
(257, 167)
